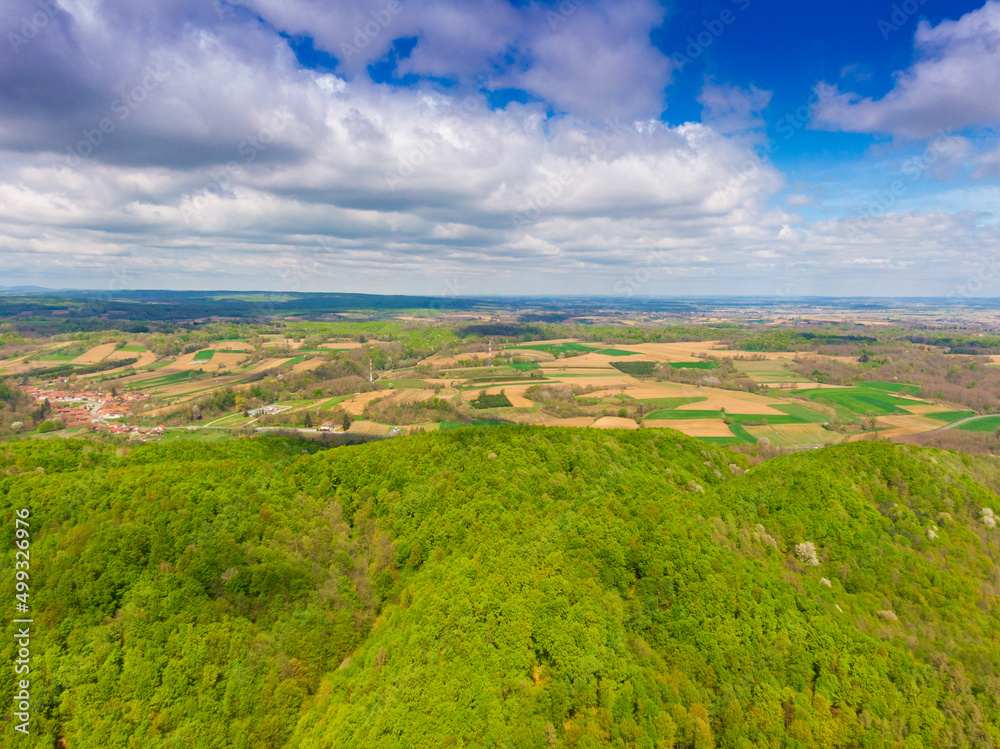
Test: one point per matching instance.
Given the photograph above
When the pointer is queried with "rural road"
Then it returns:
(963, 421)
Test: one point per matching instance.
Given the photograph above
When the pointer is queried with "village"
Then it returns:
(97, 409)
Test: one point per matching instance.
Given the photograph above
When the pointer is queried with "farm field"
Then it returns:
(592, 385)
(989, 424)
(948, 417)
(863, 400)
(514, 394)
(709, 427)
(62, 355)
(573, 347)
(795, 435)
(766, 372)
(614, 422)
(96, 354)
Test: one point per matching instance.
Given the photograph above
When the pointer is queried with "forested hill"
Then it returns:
(506, 587)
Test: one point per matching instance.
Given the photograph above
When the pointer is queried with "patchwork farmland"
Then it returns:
(685, 386)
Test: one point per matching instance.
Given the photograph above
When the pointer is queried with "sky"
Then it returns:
(621, 148)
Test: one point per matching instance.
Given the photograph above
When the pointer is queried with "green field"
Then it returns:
(233, 420)
(155, 382)
(407, 384)
(893, 387)
(772, 370)
(575, 348)
(133, 348)
(669, 402)
(950, 417)
(861, 400)
(636, 368)
(207, 435)
(694, 365)
(523, 366)
(63, 354)
(742, 434)
(792, 415)
(204, 355)
(805, 415)
(989, 424)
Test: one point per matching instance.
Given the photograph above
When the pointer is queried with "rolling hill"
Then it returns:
(506, 587)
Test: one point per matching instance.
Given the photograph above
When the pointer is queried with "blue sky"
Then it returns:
(454, 147)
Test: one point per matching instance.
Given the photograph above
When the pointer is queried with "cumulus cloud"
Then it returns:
(951, 85)
(182, 144)
(731, 109)
(590, 58)
(798, 199)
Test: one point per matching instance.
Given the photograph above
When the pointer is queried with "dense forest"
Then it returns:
(505, 587)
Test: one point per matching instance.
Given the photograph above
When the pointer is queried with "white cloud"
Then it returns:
(951, 86)
(241, 169)
(731, 109)
(798, 199)
(590, 58)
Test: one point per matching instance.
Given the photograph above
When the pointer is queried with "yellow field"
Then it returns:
(302, 366)
(277, 340)
(578, 421)
(356, 405)
(683, 351)
(229, 346)
(451, 361)
(146, 358)
(369, 427)
(928, 409)
(695, 427)
(186, 363)
(529, 355)
(96, 354)
(916, 422)
(229, 361)
(733, 401)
